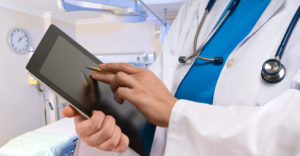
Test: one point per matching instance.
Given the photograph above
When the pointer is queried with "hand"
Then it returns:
(140, 87)
(100, 131)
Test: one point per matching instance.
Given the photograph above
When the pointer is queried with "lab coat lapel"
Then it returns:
(272, 8)
(249, 57)
(185, 44)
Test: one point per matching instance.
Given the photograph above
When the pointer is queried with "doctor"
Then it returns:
(217, 107)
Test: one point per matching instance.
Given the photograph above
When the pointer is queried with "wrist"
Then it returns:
(169, 111)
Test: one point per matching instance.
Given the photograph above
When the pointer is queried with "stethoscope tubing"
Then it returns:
(197, 52)
(287, 35)
(210, 4)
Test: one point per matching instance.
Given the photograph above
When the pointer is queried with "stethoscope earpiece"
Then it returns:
(273, 71)
(182, 59)
(218, 60)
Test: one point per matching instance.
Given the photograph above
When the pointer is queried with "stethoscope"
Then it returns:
(216, 60)
(272, 70)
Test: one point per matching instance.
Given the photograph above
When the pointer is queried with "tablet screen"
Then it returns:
(65, 72)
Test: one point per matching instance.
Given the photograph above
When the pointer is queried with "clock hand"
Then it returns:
(20, 39)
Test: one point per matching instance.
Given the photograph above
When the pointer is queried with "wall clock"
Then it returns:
(19, 41)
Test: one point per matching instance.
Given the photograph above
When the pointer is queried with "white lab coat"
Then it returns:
(249, 117)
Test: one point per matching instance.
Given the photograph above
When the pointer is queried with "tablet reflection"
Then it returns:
(90, 94)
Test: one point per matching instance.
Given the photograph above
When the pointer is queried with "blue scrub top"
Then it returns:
(200, 82)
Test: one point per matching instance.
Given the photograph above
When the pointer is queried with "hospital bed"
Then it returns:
(56, 139)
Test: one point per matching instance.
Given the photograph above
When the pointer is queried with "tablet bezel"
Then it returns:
(41, 54)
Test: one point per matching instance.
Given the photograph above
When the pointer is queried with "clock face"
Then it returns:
(19, 41)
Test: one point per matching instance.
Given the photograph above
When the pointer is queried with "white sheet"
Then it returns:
(46, 141)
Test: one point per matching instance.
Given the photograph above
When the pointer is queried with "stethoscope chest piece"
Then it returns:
(273, 71)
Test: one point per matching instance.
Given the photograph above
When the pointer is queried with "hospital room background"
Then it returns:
(28, 110)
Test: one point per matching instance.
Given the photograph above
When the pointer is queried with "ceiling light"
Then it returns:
(123, 10)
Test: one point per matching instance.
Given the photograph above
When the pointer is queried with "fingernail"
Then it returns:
(93, 112)
(95, 75)
(101, 66)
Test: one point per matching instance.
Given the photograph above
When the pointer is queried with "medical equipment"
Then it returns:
(164, 22)
(216, 60)
(119, 11)
(139, 59)
(273, 70)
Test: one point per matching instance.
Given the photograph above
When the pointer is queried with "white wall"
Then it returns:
(19, 107)
(117, 37)
(18, 100)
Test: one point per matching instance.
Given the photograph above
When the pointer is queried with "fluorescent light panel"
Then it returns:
(124, 10)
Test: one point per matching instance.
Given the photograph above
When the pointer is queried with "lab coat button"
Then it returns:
(230, 63)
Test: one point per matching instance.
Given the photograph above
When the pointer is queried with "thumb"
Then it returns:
(69, 111)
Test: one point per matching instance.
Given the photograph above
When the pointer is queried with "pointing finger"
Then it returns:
(120, 67)
(107, 78)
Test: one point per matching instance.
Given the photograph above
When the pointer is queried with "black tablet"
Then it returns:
(60, 63)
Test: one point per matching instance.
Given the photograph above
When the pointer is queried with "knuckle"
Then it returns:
(124, 144)
(95, 124)
(143, 71)
(107, 133)
(113, 143)
(140, 94)
(123, 66)
(91, 125)
(118, 129)
(146, 74)
(119, 75)
(110, 119)
(99, 114)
